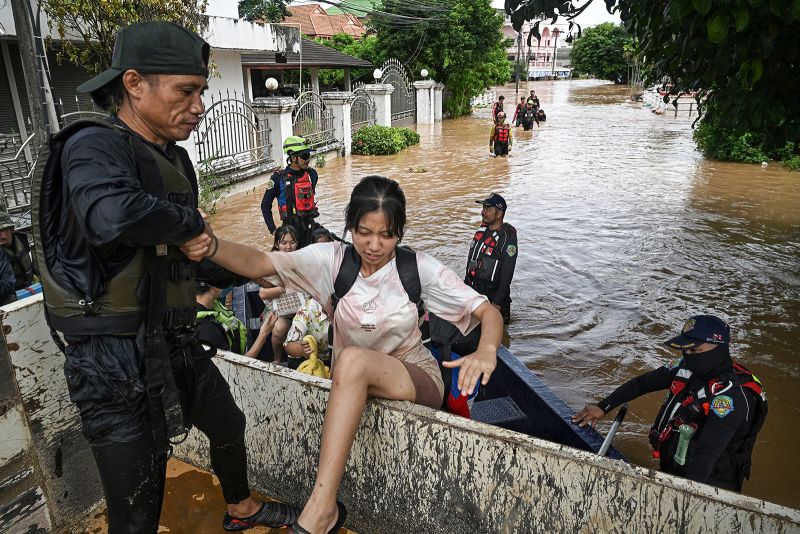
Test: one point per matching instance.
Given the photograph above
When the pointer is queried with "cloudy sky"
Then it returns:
(595, 14)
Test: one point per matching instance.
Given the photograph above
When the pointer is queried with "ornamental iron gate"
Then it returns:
(362, 110)
(312, 120)
(404, 98)
(230, 136)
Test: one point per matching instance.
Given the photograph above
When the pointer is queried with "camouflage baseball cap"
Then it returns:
(5, 221)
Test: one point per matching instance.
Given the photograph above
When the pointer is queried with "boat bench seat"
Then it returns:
(496, 411)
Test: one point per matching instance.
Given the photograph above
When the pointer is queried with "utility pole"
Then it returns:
(516, 69)
(556, 32)
(30, 68)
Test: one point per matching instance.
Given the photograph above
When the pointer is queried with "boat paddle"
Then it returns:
(614, 427)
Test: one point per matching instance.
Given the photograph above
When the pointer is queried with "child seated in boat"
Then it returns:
(378, 348)
(310, 320)
(286, 240)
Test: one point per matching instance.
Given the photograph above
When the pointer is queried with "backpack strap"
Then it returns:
(409, 274)
(348, 273)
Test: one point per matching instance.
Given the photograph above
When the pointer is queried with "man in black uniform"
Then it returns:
(295, 188)
(16, 247)
(707, 426)
(493, 256)
(120, 289)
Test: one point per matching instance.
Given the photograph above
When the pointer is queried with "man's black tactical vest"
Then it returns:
(116, 307)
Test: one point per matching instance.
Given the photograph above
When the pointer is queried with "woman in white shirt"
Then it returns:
(378, 348)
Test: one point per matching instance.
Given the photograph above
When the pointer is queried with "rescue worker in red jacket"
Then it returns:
(707, 426)
(500, 137)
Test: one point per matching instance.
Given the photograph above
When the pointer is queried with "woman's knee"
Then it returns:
(351, 364)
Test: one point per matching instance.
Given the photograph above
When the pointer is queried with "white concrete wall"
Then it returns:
(223, 8)
(59, 455)
(410, 466)
(415, 469)
(236, 34)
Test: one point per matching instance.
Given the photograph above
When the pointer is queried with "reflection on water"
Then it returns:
(624, 232)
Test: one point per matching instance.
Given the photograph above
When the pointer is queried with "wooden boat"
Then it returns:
(411, 468)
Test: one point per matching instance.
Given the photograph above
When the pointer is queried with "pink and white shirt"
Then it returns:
(376, 313)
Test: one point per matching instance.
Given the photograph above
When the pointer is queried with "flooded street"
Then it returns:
(624, 232)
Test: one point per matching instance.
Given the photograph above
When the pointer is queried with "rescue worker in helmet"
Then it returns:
(294, 187)
(111, 211)
(707, 426)
(500, 139)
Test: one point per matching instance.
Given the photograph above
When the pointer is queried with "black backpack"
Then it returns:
(442, 333)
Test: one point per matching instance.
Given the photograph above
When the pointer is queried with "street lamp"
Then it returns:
(377, 73)
(424, 73)
(271, 84)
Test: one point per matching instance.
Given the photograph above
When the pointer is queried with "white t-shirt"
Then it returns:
(376, 313)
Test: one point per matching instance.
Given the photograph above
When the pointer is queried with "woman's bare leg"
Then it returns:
(279, 333)
(357, 373)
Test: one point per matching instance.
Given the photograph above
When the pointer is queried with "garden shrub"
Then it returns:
(382, 140)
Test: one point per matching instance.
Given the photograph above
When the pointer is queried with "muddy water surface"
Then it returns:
(624, 232)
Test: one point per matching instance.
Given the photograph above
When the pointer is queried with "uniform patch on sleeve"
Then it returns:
(675, 364)
(512, 250)
(270, 184)
(722, 405)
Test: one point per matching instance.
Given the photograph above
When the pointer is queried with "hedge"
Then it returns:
(383, 140)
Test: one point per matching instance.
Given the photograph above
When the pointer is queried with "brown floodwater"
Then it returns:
(624, 232)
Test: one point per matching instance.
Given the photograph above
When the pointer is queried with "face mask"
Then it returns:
(707, 365)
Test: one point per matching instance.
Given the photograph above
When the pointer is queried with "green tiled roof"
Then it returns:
(359, 8)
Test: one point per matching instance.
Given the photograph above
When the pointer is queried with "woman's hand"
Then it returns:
(481, 362)
(307, 350)
(589, 415)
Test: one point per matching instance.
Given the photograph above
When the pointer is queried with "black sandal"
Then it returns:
(297, 529)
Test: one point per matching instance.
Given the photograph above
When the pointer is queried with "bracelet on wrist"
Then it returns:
(216, 248)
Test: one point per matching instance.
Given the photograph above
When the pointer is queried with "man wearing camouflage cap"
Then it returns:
(119, 288)
(18, 251)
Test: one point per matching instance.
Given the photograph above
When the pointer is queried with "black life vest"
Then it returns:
(19, 253)
(485, 257)
(115, 307)
(501, 133)
(687, 404)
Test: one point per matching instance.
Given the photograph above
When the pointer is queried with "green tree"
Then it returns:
(740, 55)
(365, 48)
(600, 53)
(460, 42)
(96, 23)
(264, 10)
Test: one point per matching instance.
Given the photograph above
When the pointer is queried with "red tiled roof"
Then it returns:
(315, 22)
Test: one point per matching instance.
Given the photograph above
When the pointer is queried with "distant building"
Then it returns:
(548, 56)
(316, 22)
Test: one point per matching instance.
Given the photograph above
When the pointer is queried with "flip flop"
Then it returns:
(297, 529)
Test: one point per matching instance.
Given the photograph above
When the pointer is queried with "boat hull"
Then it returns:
(411, 468)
